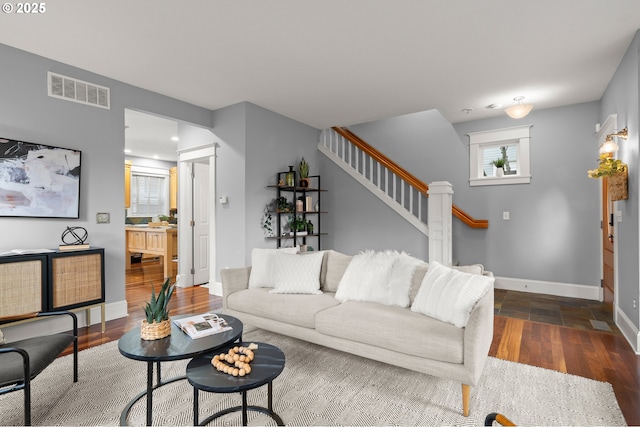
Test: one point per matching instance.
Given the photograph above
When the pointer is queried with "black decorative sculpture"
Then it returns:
(78, 233)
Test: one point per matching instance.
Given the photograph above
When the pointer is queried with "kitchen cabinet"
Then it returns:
(160, 241)
(127, 183)
(173, 188)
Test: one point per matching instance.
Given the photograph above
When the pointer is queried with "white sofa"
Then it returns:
(387, 333)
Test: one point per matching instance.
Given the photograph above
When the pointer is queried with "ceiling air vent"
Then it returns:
(71, 89)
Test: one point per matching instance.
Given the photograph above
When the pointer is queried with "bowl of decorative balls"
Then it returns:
(236, 362)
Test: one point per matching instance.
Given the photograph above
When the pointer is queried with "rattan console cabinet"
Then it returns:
(52, 281)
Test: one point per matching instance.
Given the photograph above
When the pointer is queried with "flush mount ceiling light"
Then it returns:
(519, 110)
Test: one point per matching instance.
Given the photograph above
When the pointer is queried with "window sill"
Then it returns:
(502, 180)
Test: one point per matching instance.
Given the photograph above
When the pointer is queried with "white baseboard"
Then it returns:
(215, 288)
(550, 288)
(628, 329)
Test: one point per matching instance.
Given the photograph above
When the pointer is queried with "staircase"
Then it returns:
(401, 191)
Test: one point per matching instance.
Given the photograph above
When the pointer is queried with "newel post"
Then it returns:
(439, 219)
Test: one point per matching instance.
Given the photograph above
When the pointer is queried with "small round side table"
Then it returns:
(266, 366)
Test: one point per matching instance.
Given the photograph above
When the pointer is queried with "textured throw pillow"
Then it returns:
(297, 274)
(333, 268)
(472, 268)
(450, 295)
(262, 266)
(381, 277)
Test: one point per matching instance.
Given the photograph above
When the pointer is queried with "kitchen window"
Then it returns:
(149, 192)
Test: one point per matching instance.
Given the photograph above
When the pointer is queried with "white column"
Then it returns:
(439, 219)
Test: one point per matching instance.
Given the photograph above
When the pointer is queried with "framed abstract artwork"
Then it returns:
(38, 180)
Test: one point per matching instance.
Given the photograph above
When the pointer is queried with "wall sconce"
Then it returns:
(519, 110)
(610, 145)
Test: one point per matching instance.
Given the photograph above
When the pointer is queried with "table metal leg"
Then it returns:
(196, 406)
(244, 408)
(150, 391)
(270, 395)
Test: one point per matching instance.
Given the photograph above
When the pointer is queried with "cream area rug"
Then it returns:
(318, 386)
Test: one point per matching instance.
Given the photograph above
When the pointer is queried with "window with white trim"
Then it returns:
(149, 192)
(509, 144)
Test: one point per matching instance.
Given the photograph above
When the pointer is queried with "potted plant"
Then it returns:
(157, 324)
(303, 168)
(283, 205)
(499, 164)
(297, 224)
(616, 173)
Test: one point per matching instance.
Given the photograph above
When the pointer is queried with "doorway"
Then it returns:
(154, 143)
(197, 206)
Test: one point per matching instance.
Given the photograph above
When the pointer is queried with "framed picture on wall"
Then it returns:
(38, 180)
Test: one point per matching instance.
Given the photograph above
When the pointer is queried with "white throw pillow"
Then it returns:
(262, 266)
(450, 295)
(297, 274)
(381, 277)
(1, 337)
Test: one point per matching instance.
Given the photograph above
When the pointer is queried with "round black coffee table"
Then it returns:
(176, 346)
(265, 367)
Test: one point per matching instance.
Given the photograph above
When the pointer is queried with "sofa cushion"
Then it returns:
(471, 269)
(416, 281)
(450, 295)
(333, 268)
(297, 274)
(298, 309)
(382, 277)
(393, 328)
(262, 266)
(418, 275)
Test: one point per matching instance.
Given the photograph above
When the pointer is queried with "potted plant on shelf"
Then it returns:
(616, 173)
(157, 323)
(297, 225)
(499, 164)
(303, 168)
(283, 205)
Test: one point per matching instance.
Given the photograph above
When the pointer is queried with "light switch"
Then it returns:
(505, 216)
(618, 216)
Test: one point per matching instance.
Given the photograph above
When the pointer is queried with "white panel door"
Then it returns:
(201, 218)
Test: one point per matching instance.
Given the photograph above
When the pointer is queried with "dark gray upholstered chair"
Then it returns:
(21, 361)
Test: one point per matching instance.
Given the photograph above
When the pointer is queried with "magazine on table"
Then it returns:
(202, 325)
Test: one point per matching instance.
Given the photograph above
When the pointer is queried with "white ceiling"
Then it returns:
(340, 62)
(150, 136)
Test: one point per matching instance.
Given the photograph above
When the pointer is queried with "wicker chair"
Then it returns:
(21, 361)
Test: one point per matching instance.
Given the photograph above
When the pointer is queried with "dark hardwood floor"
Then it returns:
(602, 356)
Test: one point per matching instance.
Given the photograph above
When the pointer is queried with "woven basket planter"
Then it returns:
(617, 186)
(155, 330)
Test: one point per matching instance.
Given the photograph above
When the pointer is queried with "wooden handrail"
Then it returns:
(406, 176)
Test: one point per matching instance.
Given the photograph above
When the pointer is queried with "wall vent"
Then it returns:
(75, 90)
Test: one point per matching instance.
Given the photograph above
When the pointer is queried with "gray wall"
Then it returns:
(553, 233)
(28, 114)
(621, 98)
(255, 144)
